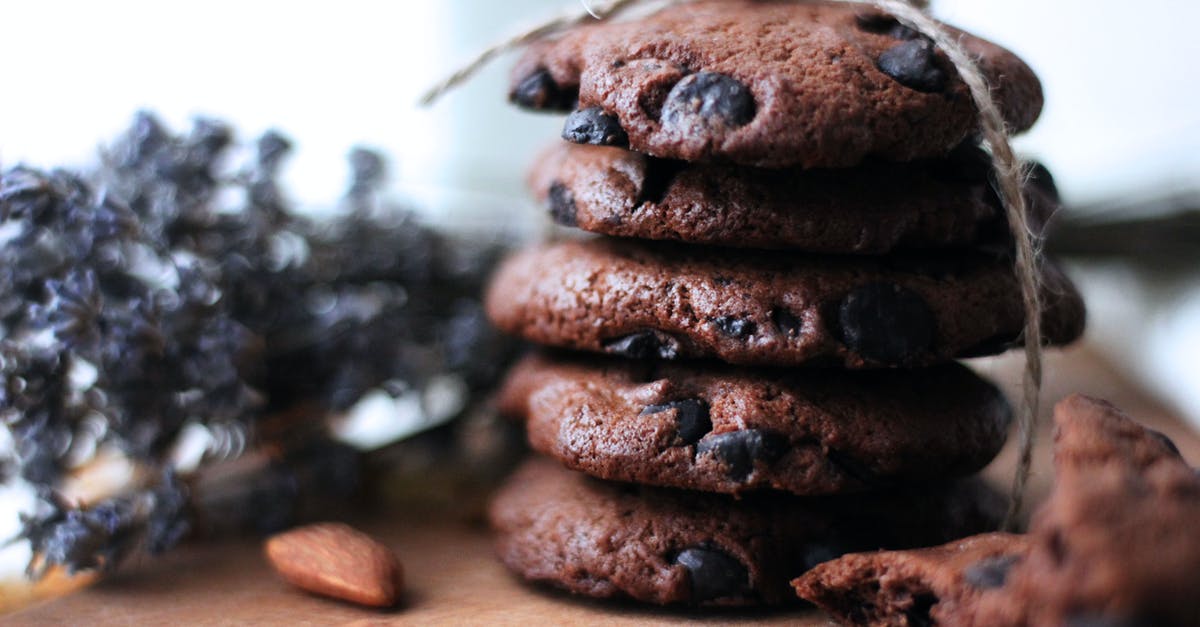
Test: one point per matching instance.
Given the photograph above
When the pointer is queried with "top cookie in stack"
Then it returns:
(768, 84)
(826, 228)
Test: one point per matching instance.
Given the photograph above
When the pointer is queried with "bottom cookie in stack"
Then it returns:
(667, 546)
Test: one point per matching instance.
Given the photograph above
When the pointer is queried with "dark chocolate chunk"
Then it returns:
(710, 96)
(713, 573)
(562, 205)
(594, 126)
(914, 65)
(1040, 177)
(886, 323)
(691, 418)
(786, 322)
(991, 572)
(740, 449)
(644, 345)
(880, 23)
(733, 326)
(539, 91)
(1165, 440)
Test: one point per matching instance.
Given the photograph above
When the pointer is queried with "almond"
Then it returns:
(336, 560)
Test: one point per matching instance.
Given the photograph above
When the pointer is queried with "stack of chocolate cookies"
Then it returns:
(751, 370)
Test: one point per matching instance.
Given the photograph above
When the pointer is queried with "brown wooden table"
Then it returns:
(453, 577)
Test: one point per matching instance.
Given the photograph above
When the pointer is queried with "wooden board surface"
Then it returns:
(452, 574)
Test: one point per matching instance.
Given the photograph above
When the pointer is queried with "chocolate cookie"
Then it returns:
(934, 586)
(720, 428)
(1115, 544)
(665, 546)
(867, 210)
(768, 84)
(661, 300)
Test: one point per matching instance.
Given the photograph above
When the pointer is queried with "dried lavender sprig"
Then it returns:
(99, 322)
(257, 296)
(370, 299)
(100, 536)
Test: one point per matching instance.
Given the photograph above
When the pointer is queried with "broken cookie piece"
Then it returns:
(1115, 544)
(939, 585)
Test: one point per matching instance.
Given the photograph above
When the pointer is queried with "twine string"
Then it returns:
(593, 10)
(1010, 175)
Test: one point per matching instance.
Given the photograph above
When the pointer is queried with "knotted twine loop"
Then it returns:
(1010, 175)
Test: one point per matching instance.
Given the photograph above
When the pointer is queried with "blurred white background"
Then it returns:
(1121, 117)
(1120, 80)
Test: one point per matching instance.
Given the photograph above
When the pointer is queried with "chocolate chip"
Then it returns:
(644, 345)
(691, 418)
(1161, 437)
(914, 65)
(881, 23)
(991, 572)
(787, 323)
(1040, 178)
(735, 327)
(710, 96)
(713, 573)
(593, 126)
(539, 91)
(562, 204)
(886, 323)
(657, 180)
(740, 449)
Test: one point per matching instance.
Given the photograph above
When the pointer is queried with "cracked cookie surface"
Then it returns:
(718, 428)
(667, 301)
(943, 203)
(768, 84)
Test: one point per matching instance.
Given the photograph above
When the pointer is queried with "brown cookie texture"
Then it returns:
(667, 301)
(1115, 544)
(657, 545)
(872, 209)
(939, 585)
(719, 428)
(768, 84)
